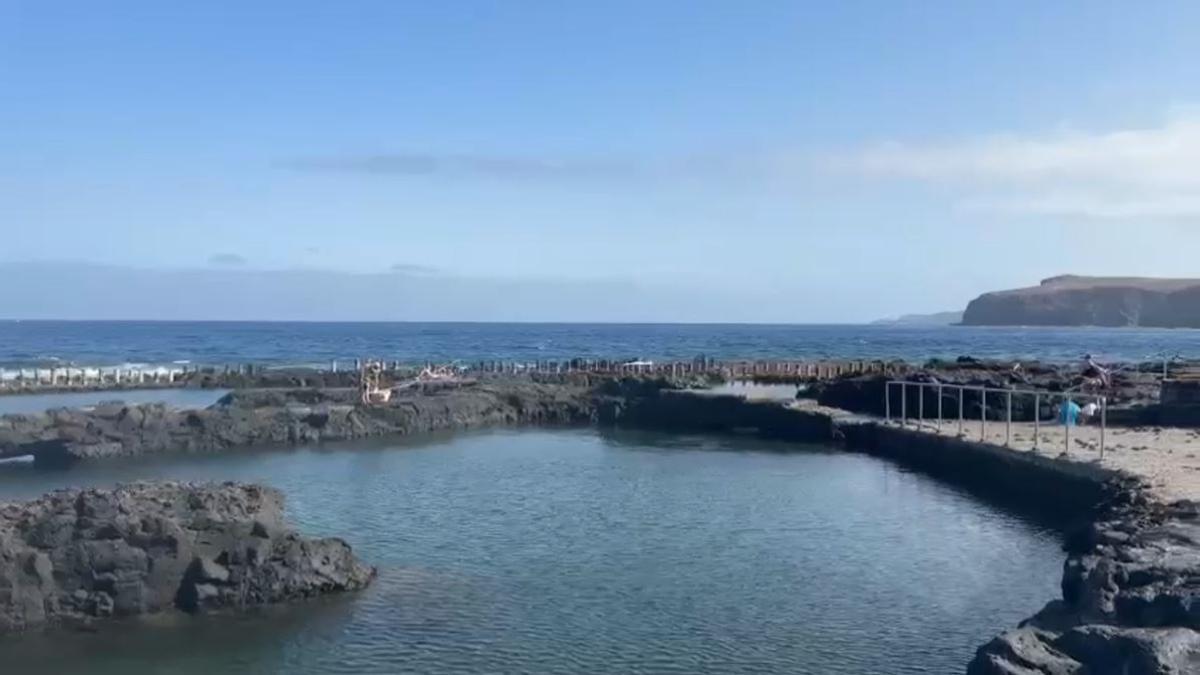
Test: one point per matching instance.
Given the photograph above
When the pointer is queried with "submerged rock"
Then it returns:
(76, 555)
(1090, 650)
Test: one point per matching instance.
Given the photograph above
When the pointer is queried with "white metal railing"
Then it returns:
(958, 393)
(73, 376)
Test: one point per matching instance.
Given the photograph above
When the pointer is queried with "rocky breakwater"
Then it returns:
(1130, 599)
(74, 556)
(275, 417)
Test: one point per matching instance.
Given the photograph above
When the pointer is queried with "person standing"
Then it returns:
(1068, 413)
(1096, 372)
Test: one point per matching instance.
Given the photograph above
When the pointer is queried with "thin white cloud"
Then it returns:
(413, 268)
(226, 260)
(1169, 206)
(508, 167)
(723, 166)
(1149, 172)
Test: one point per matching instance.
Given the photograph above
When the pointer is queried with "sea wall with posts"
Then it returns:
(345, 373)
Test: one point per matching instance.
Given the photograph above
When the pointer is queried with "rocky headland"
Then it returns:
(1071, 300)
(74, 556)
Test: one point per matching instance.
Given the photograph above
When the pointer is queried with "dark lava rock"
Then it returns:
(72, 556)
(1090, 650)
(272, 417)
(1024, 651)
(1131, 599)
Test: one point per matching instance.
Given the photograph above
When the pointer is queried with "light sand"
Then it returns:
(1168, 458)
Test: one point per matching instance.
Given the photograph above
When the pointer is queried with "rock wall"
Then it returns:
(73, 556)
(668, 410)
(1024, 480)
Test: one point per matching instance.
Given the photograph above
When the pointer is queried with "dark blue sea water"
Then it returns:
(28, 343)
(581, 552)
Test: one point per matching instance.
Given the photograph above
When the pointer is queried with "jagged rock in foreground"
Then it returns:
(75, 555)
(1131, 600)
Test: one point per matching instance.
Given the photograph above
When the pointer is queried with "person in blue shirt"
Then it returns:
(1068, 413)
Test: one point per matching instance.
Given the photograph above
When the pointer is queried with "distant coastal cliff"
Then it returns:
(935, 319)
(1070, 300)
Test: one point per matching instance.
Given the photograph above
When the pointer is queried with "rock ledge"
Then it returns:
(1130, 598)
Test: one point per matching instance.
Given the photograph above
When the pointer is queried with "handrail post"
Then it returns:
(920, 404)
(887, 401)
(1066, 426)
(1037, 419)
(961, 395)
(983, 414)
(939, 408)
(1103, 423)
(1008, 422)
(903, 403)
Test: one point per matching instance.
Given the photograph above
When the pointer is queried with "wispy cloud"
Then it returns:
(413, 268)
(226, 260)
(1130, 173)
(1097, 205)
(724, 166)
(508, 167)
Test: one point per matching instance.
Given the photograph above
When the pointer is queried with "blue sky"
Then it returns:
(707, 161)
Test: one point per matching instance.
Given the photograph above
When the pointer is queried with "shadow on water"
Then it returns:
(1040, 512)
(1063, 517)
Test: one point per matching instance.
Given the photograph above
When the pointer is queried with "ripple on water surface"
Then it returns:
(586, 552)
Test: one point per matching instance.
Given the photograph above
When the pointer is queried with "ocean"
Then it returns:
(96, 343)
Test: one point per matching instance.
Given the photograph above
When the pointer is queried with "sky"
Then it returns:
(616, 161)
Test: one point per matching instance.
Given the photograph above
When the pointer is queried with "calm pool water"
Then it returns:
(591, 552)
(26, 404)
(750, 390)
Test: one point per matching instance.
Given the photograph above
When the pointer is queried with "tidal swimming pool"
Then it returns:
(581, 551)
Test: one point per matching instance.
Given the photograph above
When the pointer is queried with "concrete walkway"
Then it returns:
(1168, 458)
